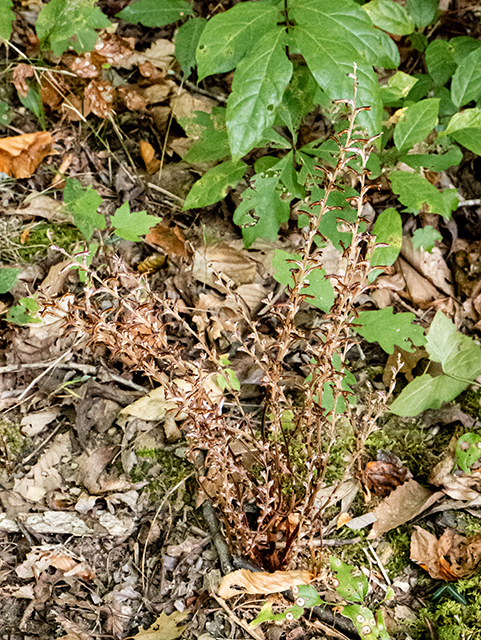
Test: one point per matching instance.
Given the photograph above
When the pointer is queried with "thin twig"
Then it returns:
(41, 446)
(44, 373)
(234, 618)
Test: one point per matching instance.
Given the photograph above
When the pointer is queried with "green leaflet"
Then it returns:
(466, 82)
(259, 84)
(434, 162)
(416, 123)
(228, 36)
(388, 230)
(210, 129)
(6, 19)
(389, 329)
(155, 13)
(83, 204)
(440, 61)
(465, 128)
(426, 238)
(8, 278)
(62, 24)
(390, 17)
(213, 185)
(417, 193)
(130, 226)
(422, 12)
(186, 41)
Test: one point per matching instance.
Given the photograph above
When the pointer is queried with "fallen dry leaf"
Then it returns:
(39, 559)
(459, 487)
(92, 474)
(261, 582)
(431, 265)
(164, 628)
(99, 98)
(385, 474)
(450, 558)
(402, 505)
(21, 155)
(45, 207)
(170, 239)
(421, 291)
(210, 262)
(152, 164)
(21, 72)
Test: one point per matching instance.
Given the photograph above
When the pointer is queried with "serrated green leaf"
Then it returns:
(8, 278)
(465, 128)
(268, 209)
(155, 13)
(390, 17)
(64, 24)
(463, 46)
(422, 12)
(283, 265)
(24, 312)
(83, 204)
(130, 226)
(417, 194)
(353, 584)
(468, 451)
(211, 130)
(259, 84)
(390, 330)
(434, 162)
(318, 290)
(426, 392)
(426, 238)
(388, 230)
(416, 123)
(213, 185)
(440, 61)
(228, 36)
(6, 19)
(466, 82)
(186, 41)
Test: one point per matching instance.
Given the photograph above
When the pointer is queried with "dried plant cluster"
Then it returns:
(265, 470)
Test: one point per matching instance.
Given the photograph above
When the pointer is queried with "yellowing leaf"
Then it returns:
(261, 582)
(164, 628)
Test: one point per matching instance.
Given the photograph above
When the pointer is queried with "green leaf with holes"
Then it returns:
(210, 132)
(368, 626)
(353, 584)
(468, 451)
(155, 13)
(63, 24)
(259, 84)
(213, 185)
(229, 36)
(24, 312)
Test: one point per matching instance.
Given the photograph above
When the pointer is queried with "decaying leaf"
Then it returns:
(169, 239)
(450, 558)
(459, 487)
(402, 505)
(99, 98)
(152, 164)
(92, 473)
(386, 473)
(210, 262)
(244, 581)
(45, 207)
(21, 72)
(21, 155)
(41, 558)
(164, 628)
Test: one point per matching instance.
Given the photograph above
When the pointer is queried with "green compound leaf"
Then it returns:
(440, 61)
(426, 392)
(83, 204)
(422, 12)
(211, 130)
(416, 123)
(434, 162)
(390, 330)
(468, 451)
(213, 185)
(228, 36)
(388, 230)
(8, 278)
(390, 17)
(417, 194)
(24, 312)
(353, 584)
(259, 84)
(6, 19)
(465, 128)
(426, 238)
(130, 226)
(186, 41)
(155, 13)
(466, 82)
(262, 210)
(62, 24)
